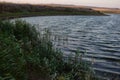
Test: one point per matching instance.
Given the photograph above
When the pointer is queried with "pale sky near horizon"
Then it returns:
(98, 3)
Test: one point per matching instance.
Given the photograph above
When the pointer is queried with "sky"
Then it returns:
(98, 3)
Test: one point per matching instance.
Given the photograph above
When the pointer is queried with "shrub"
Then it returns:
(25, 54)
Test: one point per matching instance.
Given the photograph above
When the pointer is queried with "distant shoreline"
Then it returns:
(32, 14)
(11, 10)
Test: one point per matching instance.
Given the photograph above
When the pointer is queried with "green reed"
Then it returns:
(26, 54)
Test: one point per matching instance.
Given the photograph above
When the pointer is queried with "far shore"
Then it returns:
(12, 10)
(34, 14)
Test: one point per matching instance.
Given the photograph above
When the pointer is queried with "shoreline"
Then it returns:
(11, 10)
(34, 14)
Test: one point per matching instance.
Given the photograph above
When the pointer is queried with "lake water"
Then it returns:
(97, 36)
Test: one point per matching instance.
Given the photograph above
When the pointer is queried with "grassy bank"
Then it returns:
(25, 54)
(48, 13)
(10, 10)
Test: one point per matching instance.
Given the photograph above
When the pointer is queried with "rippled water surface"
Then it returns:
(98, 36)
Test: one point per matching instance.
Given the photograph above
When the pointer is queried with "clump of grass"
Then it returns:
(25, 54)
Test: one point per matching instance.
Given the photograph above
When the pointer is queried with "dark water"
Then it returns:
(98, 36)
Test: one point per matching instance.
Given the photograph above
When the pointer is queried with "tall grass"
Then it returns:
(25, 54)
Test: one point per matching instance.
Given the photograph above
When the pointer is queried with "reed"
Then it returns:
(26, 54)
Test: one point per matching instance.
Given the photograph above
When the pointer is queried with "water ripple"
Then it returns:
(99, 36)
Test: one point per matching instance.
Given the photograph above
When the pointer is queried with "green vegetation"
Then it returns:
(10, 10)
(25, 54)
(49, 13)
